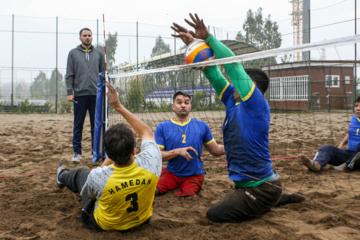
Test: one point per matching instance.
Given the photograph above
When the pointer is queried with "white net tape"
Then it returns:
(252, 56)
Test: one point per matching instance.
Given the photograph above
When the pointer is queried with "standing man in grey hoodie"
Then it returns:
(84, 63)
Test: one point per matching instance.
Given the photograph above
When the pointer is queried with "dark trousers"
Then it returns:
(328, 154)
(75, 180)
(82, 104)
(245, 203)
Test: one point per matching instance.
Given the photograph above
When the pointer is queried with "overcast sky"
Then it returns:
(226, 13)
(35, 24)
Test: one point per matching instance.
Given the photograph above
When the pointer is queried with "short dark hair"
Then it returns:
(181, 93)
(259, 77)
(357, 99)
(119, 142)
(88, 29)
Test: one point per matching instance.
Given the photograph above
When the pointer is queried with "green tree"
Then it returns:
(45, 88)
(111, 45)
(148, 83)
(263, 34)
(52, 85)
(286, 58)
(199, 99)
(160, 47)
(20, 90)
(135, 96)
(38, 87)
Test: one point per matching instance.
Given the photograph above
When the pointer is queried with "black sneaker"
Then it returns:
(355, 161)
(61, 168)
(296, 197)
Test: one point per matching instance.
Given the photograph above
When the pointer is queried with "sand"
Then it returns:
(32, 207)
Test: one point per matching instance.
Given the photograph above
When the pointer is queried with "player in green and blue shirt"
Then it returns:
(245, 132)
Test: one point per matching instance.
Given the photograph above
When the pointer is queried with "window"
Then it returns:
(347, 79)
(289, 88)
(332, 81)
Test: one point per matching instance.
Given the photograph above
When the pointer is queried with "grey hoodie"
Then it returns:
(82, 70)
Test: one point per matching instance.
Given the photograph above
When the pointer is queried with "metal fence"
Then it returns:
(36, 48)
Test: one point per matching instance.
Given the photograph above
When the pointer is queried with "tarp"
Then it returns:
(101, 115)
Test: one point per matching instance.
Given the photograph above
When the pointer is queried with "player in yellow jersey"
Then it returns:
(119, 196)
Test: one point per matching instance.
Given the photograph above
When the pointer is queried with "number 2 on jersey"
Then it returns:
(184, 138)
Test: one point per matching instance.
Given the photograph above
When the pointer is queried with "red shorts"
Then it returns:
(188, 185)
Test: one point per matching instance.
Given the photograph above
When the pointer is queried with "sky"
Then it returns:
(35, 25)
(161, 12)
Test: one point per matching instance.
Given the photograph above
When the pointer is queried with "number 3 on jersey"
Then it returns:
(133, 197)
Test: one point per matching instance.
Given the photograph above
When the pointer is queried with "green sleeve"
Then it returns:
(236, 72)
(217, 80)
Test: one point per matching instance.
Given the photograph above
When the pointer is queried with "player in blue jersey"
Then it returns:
(342, 159)
(180, 140)
(245, 133)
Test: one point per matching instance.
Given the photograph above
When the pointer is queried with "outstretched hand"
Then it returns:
(201, 31)
(183, 33)
(112, 96)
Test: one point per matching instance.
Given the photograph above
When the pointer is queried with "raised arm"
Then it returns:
(183, 33)
(236, 72)
(212, 73)
(139, 126)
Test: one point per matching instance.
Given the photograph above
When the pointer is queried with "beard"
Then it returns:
(86, 43)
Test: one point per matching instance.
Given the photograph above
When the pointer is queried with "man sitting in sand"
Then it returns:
(245, 132)
(343, 160)
(119, 196)
(181, 140)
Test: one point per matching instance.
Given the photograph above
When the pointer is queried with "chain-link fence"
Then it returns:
(35, 50)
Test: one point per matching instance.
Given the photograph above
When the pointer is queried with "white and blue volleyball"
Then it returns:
(198, 51)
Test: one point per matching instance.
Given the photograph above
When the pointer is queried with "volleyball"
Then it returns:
(198, 51)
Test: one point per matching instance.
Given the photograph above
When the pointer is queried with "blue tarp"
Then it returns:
(101, 114)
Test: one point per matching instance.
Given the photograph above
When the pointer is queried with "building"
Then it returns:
(314, 85)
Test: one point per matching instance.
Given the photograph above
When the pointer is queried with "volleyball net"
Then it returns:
(323, 80)
(311, 100)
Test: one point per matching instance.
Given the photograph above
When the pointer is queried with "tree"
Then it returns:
(135, 97)
(263, 34)
(52, 85)
(42, 87)
(111, 45)
(160, 47)
(38, 87)
(286, 58)
(21, 90)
